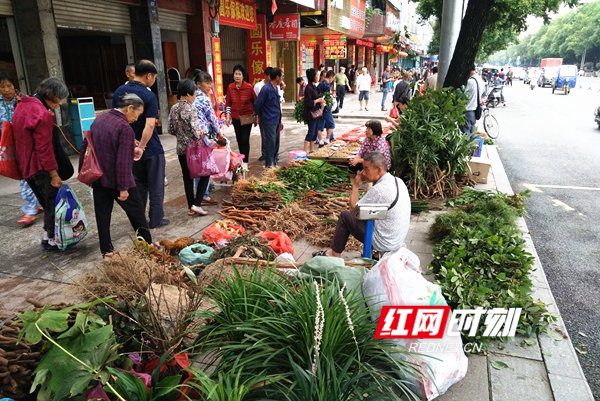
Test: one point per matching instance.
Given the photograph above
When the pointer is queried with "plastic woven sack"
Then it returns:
(196, 254)
(278, 241)
(71, 225)
(395, 281)
(221, 231)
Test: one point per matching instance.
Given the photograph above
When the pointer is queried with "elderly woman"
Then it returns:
(312, 103)
(116, 149)
(184, 124)
(32, 126)
(9, 99)
(373, 142)
(239, 106)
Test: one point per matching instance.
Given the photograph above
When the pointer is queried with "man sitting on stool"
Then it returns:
(389, 233)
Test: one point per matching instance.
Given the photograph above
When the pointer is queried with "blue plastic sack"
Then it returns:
(71, 225)
(188, 257)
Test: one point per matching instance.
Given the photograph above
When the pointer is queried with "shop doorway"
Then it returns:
(233, 51)
(287, 56)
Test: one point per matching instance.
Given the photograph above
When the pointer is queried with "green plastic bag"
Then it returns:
(189, 258)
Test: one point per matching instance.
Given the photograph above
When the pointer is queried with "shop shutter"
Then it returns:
(172, 21)
(6, 7)
(233, 49)
(94, 15)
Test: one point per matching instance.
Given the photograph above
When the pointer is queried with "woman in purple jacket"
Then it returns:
(312, 103)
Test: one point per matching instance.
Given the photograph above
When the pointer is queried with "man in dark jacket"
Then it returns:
(402, 91)
(267, 112)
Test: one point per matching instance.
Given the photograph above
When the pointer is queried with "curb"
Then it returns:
(565, 375)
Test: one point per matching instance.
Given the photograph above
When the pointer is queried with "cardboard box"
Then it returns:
(480, 169)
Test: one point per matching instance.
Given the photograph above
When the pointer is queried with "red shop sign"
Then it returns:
(236, 13)
(218, 68)
(364, 43)
(285, 27)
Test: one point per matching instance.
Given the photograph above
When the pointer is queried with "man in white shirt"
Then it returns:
(473, 92)
(257, 88)
(363, 81)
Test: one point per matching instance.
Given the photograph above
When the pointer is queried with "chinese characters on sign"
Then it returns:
(258, 52)
(430, 322)
(357, 17)
(218, 69)
(334, 48)
(393, 23)
(236, 13)
(285, 27)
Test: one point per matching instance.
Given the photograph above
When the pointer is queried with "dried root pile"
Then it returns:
(256, 248)
(249, 219)
(255, 200)
(293, 220)
(174, 247)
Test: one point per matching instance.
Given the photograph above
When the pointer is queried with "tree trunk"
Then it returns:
(467, 44)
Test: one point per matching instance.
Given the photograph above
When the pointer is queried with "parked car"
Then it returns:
(547, 76)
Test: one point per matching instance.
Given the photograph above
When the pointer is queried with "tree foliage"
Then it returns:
(567, 37)
(487, 25)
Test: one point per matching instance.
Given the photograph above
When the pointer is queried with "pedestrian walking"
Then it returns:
(387, 86)
(10, 98)
(267, 111)
(115, 146)
(473, 92)
(363, 81)
(431, 80)
(352, 78)
(326, 122)
(239, 109)
(32, 127)
(257, 88)
(312, 104)
(185, 125)
(341, 82)
(149, 171)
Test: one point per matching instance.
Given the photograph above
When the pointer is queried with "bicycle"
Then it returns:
(490, 124)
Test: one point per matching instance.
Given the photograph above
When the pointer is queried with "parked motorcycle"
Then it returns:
(597, 115)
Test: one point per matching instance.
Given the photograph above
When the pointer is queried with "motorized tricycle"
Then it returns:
(597, 116)
(565, 79)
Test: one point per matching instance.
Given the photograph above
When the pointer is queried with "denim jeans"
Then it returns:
(385, 93)
(271, 140)
(30, 202)
(149, 174)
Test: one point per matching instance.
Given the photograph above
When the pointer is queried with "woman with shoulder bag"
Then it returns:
(313, 109)
(116, 149)
(239, 109)
(32, 127)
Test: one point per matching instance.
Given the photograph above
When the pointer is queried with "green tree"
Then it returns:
(499, 17)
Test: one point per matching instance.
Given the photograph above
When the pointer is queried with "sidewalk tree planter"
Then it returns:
(480, 259)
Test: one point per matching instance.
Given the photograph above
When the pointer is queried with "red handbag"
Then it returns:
(90, 170)
(8, 159)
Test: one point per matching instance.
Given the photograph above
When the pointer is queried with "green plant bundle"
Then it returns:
(428, 140)
(299, 111)
(312, 175)
(480, 259)
(287, 196)
(328, 98)
(305, 341)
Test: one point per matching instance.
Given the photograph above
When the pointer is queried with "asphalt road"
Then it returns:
(550, 144)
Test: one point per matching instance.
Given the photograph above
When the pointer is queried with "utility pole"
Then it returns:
(451, 21)
(582, 60)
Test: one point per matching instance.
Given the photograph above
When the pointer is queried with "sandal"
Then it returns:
(106, 257)
(322, 252)
(26, 220)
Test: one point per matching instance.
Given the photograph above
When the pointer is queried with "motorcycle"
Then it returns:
(597, 115)
(532, 84)
(495, 96)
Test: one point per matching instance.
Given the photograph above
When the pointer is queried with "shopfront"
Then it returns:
(10, 56)
(284, 36)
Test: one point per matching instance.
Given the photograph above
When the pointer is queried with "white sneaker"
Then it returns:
(198, 210)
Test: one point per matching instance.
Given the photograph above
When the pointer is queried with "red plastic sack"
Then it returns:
(278, 241)
(8, 159)
(234, 161)
(221, 231)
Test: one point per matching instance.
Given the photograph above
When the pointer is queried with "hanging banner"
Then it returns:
(334, 48)
(258, 53)
(357, 18)
(392, 21)
(236, 13)
(285, 27)
(218, 68)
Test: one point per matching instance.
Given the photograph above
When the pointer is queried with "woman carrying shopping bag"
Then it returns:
(239, 106)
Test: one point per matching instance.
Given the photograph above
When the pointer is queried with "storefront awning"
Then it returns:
(305, 3)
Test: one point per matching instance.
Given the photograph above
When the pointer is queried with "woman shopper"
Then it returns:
(373, 142)
(116, 149)
(239, 109)
(312, 103)
(184, 124)
(32, 127)
(9, 99)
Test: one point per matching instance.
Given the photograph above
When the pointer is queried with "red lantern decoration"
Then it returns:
(379, 49)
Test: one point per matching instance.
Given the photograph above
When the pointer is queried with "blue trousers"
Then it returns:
(271, 140)
(149, 174)
(30, 202)
(385, 93)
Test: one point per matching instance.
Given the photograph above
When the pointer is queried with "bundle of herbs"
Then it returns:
(480, 259)
(299, 112)
(312, 174)
(428, 150)
(300, 340)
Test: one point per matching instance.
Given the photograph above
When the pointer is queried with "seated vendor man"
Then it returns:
(389, 233)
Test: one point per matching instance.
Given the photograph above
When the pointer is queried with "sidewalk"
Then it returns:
(548, 370)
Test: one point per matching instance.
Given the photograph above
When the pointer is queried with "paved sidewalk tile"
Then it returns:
(523, 379)
(519, 348)
(474, 387)
(569, 389)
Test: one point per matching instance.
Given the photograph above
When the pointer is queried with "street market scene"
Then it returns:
(305, 200)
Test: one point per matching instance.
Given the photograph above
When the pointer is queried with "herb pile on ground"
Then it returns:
(480, 259)
(312, 174)
(256, 248)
